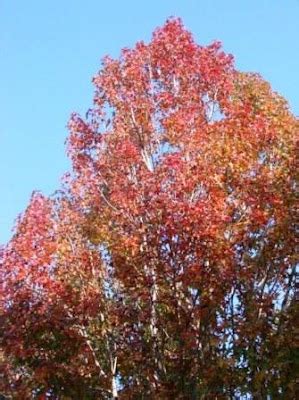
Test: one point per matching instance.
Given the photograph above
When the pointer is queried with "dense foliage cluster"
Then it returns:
(165, 266)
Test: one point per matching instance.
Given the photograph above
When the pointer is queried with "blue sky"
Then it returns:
(50, 49)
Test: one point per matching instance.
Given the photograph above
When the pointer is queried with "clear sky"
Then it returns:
(50, 49)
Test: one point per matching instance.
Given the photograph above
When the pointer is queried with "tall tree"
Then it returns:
(165, 267)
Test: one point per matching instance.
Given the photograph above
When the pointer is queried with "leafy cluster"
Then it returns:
(165, 266)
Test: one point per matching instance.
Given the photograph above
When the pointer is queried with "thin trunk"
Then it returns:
(153, 324)
(113, 382)
(154, 295)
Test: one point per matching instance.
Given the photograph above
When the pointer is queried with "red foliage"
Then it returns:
(165, 267)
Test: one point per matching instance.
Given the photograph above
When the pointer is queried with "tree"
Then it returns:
(165, 266)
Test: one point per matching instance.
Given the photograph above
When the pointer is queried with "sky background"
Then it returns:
(50, 49)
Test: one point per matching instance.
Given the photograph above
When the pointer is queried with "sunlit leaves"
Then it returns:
(166, 263)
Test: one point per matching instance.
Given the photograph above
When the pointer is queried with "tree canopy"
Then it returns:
(165, 265)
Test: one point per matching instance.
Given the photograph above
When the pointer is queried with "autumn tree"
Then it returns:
(165, 266)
